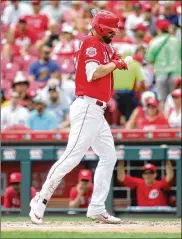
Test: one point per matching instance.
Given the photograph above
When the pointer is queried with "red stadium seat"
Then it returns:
(24, 62)
(33, 51)
(5, 85)
(66, 62)
(9, 71)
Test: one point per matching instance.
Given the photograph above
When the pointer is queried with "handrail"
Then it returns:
(118, 134)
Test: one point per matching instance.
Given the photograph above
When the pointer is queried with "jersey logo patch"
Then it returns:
(91, 52)
(153, 194)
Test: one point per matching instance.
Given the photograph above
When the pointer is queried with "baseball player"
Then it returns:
(95, 62)
(12, 193)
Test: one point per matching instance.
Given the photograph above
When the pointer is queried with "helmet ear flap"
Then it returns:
(101, 29)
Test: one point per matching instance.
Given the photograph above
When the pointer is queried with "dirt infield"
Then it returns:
(126, 226)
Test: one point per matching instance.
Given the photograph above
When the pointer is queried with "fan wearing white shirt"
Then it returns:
(14, 11)
(174, 116)
(13, 114)
(54, 11)
(134, 19)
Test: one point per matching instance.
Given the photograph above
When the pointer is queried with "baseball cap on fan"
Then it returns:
(150, 167)
(85, 174)
(67, 28)
(152, 102)
(176, 93)
(178, 82)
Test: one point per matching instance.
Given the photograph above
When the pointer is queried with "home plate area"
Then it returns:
(126, 226)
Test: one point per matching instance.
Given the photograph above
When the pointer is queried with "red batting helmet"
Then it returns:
(105, 21)
(15, 177)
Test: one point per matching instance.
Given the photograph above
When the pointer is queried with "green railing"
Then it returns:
(26, 155)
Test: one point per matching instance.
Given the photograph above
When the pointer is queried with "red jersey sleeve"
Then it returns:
(73, 194)
(165, 185)
(92, 50)
(7, 199)
(131, 182)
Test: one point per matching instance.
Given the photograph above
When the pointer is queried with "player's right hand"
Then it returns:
(120, 64)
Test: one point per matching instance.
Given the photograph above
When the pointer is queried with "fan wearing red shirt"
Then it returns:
(150, 192)
(94, 86)
(80, 195)
(23, 35)
(37, 22)
(152, 118)
(12, 192)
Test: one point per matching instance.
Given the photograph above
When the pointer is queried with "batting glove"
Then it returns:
(116, 57)
(120, 64)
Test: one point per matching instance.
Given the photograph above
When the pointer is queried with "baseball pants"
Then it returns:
(88, 129)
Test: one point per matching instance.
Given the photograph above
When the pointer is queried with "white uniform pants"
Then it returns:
(88, 128)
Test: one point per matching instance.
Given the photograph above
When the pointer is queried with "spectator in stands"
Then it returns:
(58, 104)
(133, 19)
(68, 85)
(84, 26)
(42, 118)
(22, 34)
(28, 102)
(67, 43)
(44, 68)
(51, 36)
(4, 101)
(20, 85)
(174, 115)
(10, 49)
(26, 95)
(150, 192)
(142, 35)
(149, 18)
(14, 10)
(54, 11)
(53, 83)
(13, 114)
(80, 195)
(169, 101)
(152, 118)
(139, 110)
(147, 69)
(123, 44)
(72, 13)
(12, 194)
(169, 13)
(167, 67)
(126, 84)
(37, 22)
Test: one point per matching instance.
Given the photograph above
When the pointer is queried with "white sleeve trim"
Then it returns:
(91, 67)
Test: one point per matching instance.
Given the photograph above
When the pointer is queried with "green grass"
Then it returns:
(16, 234)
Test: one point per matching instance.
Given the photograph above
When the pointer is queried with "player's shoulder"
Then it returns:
(9, 190)
(73, 192)
(74, 189)
(91, 39)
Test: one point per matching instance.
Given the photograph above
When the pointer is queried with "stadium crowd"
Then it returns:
(38, 42)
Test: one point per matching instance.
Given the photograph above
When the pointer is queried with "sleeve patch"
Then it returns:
(91, 51)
